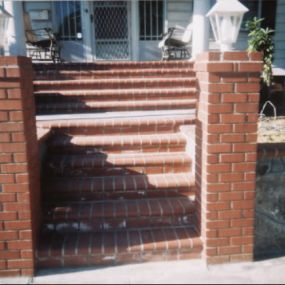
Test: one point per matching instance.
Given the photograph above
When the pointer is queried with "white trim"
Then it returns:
(86, 30)
(201, 27)
(92, 29)
(129, 23)
(165, 15)
(135, 30)
(16, 40)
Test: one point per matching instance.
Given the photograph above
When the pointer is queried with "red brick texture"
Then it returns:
(226, 153)
(19, 168)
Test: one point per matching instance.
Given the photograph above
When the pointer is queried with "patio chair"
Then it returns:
(176, 43)
(42, 44)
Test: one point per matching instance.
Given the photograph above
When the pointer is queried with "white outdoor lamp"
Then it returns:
(4, 20)
(226, 18)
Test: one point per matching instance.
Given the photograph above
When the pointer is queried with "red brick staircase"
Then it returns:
(114, 87)
(118, 184)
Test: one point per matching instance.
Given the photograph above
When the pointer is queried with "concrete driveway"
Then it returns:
(182, 272)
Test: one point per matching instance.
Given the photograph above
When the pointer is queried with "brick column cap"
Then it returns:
(232, 61)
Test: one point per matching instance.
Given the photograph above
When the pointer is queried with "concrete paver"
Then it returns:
(176, 272)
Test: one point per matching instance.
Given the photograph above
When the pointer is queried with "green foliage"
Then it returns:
(260, 39)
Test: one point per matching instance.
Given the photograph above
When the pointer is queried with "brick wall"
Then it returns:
(226, 153)
(19, 168)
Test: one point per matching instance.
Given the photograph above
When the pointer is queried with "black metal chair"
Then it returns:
(176, 43)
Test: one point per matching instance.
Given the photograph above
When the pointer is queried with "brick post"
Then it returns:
(226, 150)
(19, 168)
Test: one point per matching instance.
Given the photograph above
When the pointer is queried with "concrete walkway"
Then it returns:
(182, 272)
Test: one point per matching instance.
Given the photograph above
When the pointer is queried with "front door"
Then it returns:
(112, 32)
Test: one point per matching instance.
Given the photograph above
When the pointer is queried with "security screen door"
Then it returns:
(111, 23)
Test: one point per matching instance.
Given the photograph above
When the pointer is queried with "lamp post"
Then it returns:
(4, 20)
(226, 18)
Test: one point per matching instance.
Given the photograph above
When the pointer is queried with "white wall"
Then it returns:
(179, 12)
(44, 5)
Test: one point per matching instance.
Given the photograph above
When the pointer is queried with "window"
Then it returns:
(265, 9)
(151, 20)
(68, 18)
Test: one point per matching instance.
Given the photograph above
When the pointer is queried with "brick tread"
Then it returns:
(115, 65)
(175, 139)
(115, 83)
(75, 74)
(115, 160)
(118, 247)
(114, 106)
(122, 183)
(120, 122)
(120, 94)
(79, 214)
(118, 164)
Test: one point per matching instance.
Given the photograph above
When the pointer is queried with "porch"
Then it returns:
(108, 30)
(136, 26)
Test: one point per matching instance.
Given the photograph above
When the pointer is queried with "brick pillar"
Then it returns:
(226, 147)
(19, 168)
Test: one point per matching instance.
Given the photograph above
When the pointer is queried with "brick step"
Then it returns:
(118, 164)
(146, 122)
(118, 215)
(107, 65)
(118, 247)
(68, 107)
(130, 195)
(123, 186)
(116, 73)
(129, 83)
(170, 142)
(55, 96)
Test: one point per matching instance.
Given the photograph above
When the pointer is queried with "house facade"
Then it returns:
(131, 30)
(109, 30)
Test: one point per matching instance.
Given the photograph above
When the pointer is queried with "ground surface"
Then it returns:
(183, 272)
